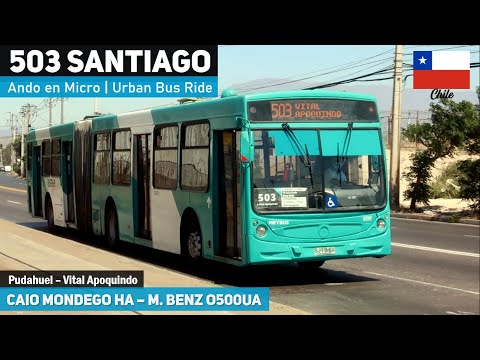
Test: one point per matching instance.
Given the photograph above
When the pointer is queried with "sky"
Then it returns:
(256, 68)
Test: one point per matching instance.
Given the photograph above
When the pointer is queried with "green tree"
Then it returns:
(7, 155)
(17, 146)
(441, 137)
(469, 179)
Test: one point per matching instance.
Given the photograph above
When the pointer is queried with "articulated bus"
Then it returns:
(281, 177)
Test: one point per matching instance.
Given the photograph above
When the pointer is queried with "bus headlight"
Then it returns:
(261, 231)
(381, 224)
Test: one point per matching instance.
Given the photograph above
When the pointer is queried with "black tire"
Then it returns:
(111, 228)
(192, 241)
(311, 265)
(49, 215)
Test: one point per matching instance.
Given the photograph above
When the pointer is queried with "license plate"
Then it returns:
(326, 250)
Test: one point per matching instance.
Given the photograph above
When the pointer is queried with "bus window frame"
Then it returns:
(183, 126)
(59, 156)
(110, 156)
(29, 155)
(156, 130)
(44, 174)
(113, 143)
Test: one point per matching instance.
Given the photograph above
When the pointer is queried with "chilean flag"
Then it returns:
(441, 69)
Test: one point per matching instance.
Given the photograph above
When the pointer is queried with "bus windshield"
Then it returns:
(318, 170)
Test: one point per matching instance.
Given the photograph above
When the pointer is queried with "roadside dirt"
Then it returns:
(449, 207)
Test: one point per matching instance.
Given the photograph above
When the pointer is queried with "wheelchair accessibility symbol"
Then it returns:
(331, 202)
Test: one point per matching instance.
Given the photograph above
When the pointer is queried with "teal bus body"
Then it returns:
(56, 186)
(238, 179)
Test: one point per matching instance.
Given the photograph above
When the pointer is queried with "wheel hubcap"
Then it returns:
(194, 245)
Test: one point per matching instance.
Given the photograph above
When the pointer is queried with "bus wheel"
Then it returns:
(50, 220)
(311, 265)
(112, 228)
(193, 241)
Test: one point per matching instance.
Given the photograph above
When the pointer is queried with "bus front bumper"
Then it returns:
(267, 252)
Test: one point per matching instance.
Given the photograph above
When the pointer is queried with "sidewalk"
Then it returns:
(23, 248)
(444, 210)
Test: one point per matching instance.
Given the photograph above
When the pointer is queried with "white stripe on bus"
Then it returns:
(165, 221)
(135, 118)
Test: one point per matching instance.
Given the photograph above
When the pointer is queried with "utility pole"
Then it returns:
(26, 123)
(22, 142)
(389, 136)
(50, 106)
(95, 106)
(61, 110)
(13, 128)
(396, 120)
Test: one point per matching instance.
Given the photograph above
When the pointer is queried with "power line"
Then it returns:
(388, 69)
(275, 83)
(341, 67)
(447, 48)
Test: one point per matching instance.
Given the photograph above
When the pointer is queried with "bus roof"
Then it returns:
(310, 94)
(50, 132)
(230, 103)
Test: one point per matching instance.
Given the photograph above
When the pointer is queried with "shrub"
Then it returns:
(445, 185)
(469, 182)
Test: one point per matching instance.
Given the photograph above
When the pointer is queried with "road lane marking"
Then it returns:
(425, 248)
(423, 283)
(12, 189)
(14, 202)
(474, 236)
(426, 221)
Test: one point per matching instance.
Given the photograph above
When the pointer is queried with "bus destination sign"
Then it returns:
(312, 110)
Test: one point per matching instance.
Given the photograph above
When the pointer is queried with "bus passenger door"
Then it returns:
(228, 185)
(37, 181)
(143, 186)
(67, 151)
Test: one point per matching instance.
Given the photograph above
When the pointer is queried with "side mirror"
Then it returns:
(245, 150)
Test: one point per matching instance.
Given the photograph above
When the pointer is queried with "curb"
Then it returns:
(442, 218)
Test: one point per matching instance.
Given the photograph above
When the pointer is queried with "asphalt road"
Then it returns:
(434, 269)
(13, 201)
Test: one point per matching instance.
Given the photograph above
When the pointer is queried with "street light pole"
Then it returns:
(395, 141)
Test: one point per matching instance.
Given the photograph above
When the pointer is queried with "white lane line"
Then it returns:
(429, 221)
(474, 236)
(14, 202)
(425, 248)
(424, 283)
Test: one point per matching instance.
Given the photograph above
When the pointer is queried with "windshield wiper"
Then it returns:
(309, 165)
(341, 158)
(346, 142)
(306, 162)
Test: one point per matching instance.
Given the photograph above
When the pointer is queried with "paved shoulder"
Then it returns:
(23, 248)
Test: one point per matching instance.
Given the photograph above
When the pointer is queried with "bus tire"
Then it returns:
(310, 265)
(192, 240)
(111, 228)
(49, 215)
